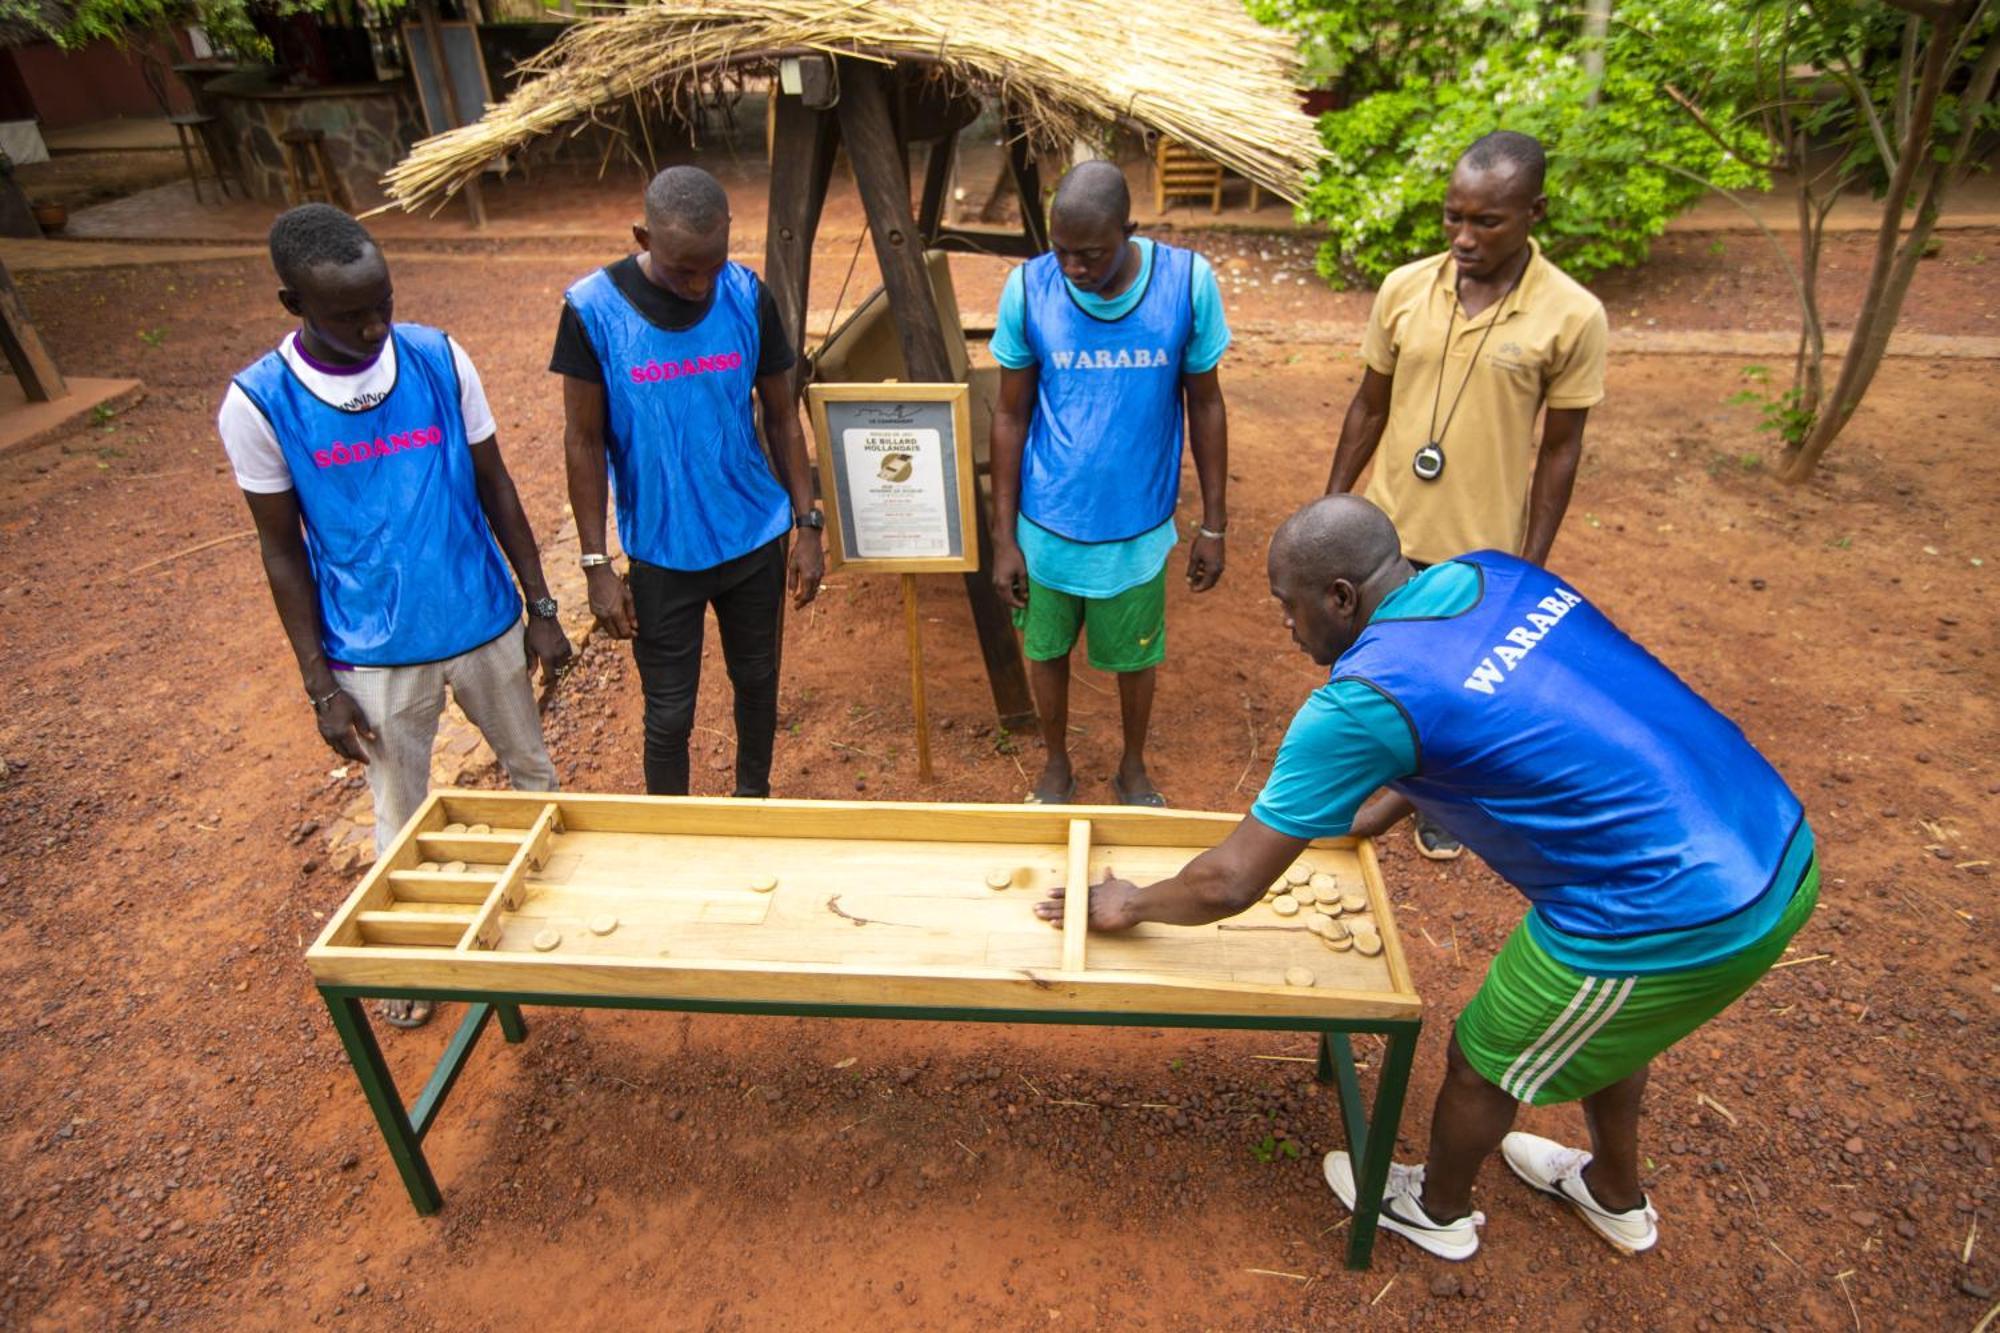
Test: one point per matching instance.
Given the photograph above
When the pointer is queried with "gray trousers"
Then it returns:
(403, 704)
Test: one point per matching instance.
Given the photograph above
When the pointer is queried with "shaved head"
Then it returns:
(1331, 565)
(1335, 537)
(1518, 157)
(687, 199)
(1092, 194)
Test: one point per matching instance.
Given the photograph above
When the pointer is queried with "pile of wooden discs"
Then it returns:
(1339, 917)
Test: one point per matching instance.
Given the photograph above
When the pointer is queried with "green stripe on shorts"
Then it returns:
(1543, 1032)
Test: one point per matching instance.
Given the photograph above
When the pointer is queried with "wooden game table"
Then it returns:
(843, 910)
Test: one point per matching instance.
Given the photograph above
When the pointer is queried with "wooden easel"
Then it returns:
(846, 100)
(40, 381)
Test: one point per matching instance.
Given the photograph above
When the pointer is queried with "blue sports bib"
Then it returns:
(692, 484)
(1584, 772)
(403, 560)
(1103, 455)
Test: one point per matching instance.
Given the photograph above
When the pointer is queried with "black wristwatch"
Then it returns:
(812, 518)
(542, 608)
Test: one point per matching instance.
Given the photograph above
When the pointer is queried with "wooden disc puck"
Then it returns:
(479, 828)
(1324, 882)
(546, 940)
(1285, 905)
(603, 923)
(427, 865)
(454, 828)
(1338, 943)
(999, 878)
(763, 883)
(1354, 900)
(1367, 942)
(1306, 894)
(1300, 873)
(453, 867)
(1298, 976)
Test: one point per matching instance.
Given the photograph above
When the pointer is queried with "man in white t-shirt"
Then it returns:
(366, 452)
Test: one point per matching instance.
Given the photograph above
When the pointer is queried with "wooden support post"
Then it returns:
(475, 203)
(937, 181)
(802, 148)
(911, 622)
(41, 382)
(1027, 183)
(885, 194)
(1076, 896)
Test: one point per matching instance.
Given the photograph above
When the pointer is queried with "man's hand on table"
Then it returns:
(1113, 904)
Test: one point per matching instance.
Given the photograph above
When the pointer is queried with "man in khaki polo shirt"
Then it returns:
(1463, 350)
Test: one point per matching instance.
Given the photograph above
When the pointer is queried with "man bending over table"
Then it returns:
(1665, 862)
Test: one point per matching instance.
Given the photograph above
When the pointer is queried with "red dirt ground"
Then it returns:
(181, 1140)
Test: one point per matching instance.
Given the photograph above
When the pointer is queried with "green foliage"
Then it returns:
(228, 23)
(1270, 1148)
(1784, 415)
(1620, 166)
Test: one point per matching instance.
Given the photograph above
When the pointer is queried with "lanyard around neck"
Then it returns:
(1436, 435)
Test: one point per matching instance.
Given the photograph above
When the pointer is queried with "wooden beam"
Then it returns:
(802, 151)
(1027, 176)
(41, 382)
(475, 202)
(937, 179)
(880, 171)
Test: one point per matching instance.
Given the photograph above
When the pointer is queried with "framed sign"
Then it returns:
(895, 471)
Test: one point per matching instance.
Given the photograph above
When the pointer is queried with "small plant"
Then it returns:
(1781, 414)
(1270, 1148)
(1718, 247)
(103, 415)
(152, 337)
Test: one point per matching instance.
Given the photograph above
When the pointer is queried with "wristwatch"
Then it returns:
(812, 518)
(542, 608)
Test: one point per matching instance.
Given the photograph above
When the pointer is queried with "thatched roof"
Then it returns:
(1199, 70)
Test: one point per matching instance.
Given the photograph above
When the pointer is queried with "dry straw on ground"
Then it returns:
(1199, 70)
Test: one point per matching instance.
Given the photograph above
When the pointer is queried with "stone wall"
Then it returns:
(367, 132)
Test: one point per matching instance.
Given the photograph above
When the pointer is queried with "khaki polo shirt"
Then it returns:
(1546, 348)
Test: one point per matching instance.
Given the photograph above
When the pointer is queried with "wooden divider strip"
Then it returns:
(484, 932)
(1076, 896)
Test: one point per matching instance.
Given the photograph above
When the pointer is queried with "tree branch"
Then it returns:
(1936, 11)
(1791, 269)
(1709, 129)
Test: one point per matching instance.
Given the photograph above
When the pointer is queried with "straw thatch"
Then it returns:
(1199, 70)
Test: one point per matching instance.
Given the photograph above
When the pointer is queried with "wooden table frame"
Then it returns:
(370, 952)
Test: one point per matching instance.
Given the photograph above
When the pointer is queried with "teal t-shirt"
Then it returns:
(1105, 569)
(1349, 740)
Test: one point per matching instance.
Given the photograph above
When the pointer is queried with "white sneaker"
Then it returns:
(1403, 1209)
(1554, 1169)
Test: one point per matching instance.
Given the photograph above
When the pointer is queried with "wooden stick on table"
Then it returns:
(1076, 896)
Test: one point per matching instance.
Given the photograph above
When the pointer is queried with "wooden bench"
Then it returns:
(842, 910)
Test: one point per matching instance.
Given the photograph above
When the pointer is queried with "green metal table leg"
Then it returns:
(1371, 1165)
(456, 1052)
(1353, 1112)
(1324, 1071)
(350, 1020)
(511, 1026)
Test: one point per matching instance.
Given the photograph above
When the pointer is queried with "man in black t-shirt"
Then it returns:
(660, 355)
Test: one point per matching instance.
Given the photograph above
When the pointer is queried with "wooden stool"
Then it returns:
(1181, 171)
(196, 136)
(310, 171)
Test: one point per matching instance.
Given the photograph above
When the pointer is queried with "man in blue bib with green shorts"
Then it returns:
(1100, 342)
(1665, 862)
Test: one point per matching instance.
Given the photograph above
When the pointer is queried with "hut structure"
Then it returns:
(879, 76)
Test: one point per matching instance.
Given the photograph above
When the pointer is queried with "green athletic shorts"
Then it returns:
(1127, 632)
(1544, 1032)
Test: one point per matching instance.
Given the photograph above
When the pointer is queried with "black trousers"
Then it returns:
(748, 594)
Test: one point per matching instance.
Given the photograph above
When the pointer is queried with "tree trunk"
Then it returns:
(1895, 264)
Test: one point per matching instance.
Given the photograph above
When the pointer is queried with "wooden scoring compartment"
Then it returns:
(882, 904)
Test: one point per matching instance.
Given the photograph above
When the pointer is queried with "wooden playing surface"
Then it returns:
(876, 903)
